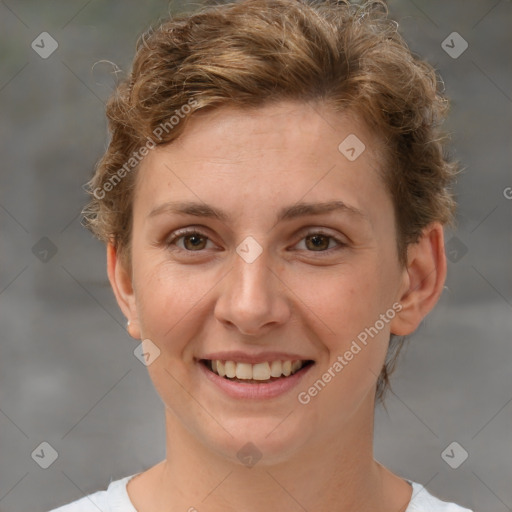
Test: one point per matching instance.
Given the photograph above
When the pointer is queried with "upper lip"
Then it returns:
(262, 357)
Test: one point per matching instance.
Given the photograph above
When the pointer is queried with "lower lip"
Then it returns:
(255, 391)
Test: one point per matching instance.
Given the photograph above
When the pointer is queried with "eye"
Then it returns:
(318, 241)
(193, 240)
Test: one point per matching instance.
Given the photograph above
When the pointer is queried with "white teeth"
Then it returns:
(244, 371)
(220, 368)
(276, 369)
(230, 368)
(259, 371)
(296, 365)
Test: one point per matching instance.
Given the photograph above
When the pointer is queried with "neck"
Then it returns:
(334, 472)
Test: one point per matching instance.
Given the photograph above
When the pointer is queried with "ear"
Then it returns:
(424, 279)
(121, 281)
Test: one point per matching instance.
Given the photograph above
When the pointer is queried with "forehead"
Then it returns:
(277, 126)
(276, 153)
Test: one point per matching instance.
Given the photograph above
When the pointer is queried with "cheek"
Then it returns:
(346, 300)
(165, 298)
(350, 302)
(357, 346)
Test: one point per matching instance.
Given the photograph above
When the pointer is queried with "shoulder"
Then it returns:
(423, 501)
(114, 499)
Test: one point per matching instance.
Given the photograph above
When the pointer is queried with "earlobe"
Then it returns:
(121, 282)
(424, 280)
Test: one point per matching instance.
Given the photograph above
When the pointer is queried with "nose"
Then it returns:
(253, 298)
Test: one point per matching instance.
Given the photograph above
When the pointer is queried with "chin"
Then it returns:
(264, 442)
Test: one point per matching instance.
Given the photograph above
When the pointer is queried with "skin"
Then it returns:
(294, 297)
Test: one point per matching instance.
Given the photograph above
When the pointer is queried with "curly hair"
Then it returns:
(253, 52)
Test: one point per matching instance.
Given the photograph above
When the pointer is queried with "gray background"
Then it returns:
(67, 369)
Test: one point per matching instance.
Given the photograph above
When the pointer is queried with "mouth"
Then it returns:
(260, 373)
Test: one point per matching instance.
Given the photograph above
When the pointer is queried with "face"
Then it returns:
(227, 265)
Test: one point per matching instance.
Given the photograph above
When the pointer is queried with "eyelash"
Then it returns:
(184, 232)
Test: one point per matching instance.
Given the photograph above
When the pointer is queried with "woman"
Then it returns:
(273, 200)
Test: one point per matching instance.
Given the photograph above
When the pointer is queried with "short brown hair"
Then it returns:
(254, 52)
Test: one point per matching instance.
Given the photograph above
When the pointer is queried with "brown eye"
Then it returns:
(196, 242)
(317, 242)
(188, 240)
(320, 242)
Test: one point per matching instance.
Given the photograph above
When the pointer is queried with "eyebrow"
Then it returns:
(198, 209)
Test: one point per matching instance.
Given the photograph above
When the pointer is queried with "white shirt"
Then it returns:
(116, 499)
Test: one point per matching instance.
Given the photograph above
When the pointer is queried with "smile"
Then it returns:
(259, 381)
(259, 373)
